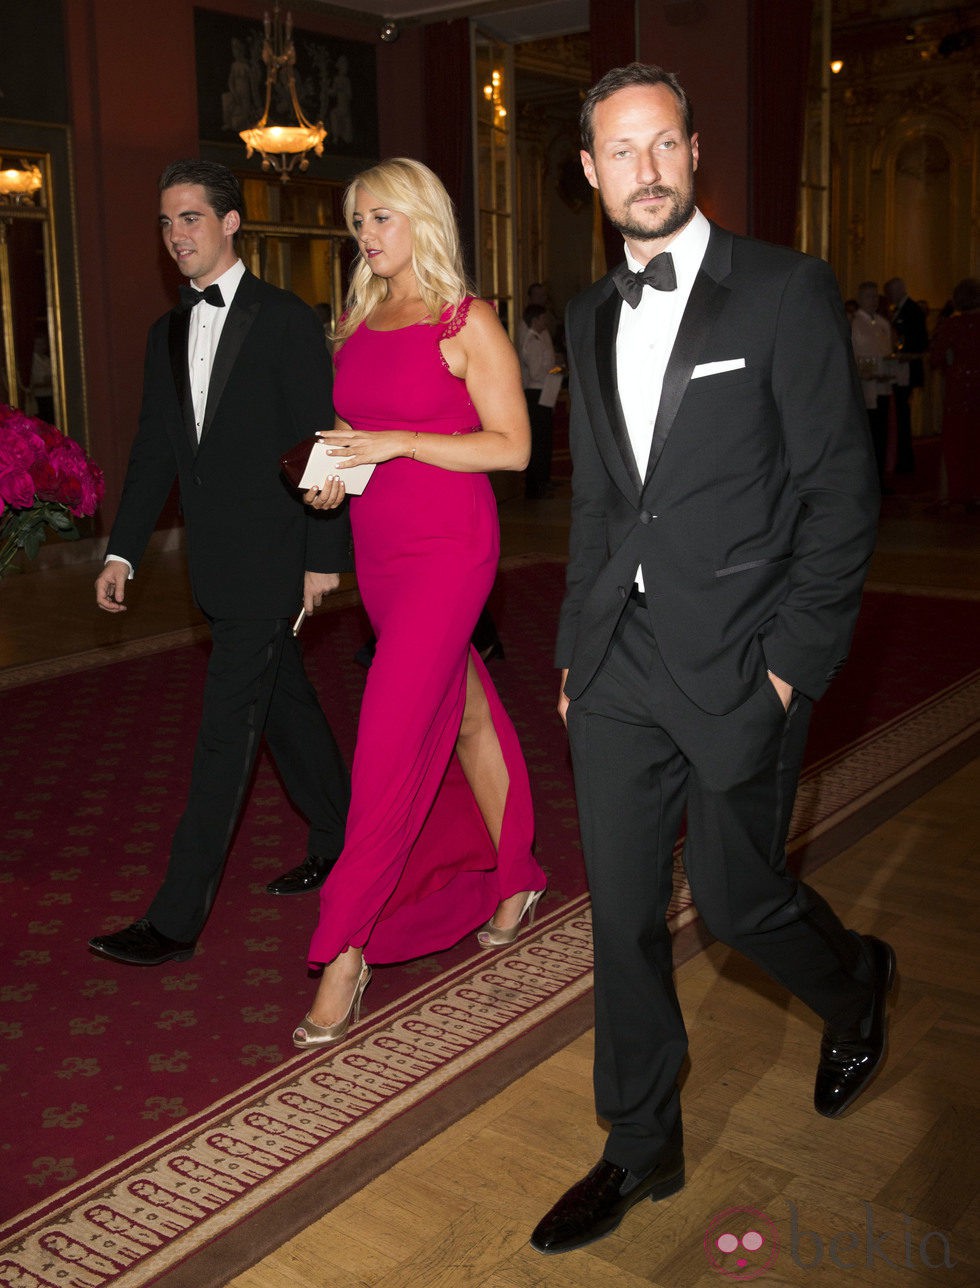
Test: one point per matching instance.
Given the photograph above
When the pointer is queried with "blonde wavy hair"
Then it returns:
(410, 188)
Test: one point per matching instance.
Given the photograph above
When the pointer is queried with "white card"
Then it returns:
(321, 464)
(551, 389)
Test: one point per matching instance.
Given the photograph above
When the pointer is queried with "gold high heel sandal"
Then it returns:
(308, 1034)
(492, 936)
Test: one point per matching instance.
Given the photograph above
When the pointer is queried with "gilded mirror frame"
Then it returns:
(49, 148)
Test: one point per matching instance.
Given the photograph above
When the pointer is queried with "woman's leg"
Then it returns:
(480, 756)
(337, 984)
(482, 761)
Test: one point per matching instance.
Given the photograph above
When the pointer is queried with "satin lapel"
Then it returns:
(707, 299)
(606, 329)
(177, 343)
(241, 315)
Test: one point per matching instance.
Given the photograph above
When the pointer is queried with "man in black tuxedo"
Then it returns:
(912, 341)
(234, 377)
(723, 515)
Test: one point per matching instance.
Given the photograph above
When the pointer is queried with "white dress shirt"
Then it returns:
(203, 334)
(646, 337)
(537, 354)
(871, 339)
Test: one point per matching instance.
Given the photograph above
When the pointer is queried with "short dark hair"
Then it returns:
(623, 78)
(223, 191)
(533, 311)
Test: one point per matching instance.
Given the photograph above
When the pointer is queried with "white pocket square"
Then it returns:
(714, 368)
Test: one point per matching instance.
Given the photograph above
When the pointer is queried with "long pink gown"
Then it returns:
(418, 870)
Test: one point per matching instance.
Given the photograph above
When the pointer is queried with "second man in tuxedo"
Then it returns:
(235, 375)
(912, 340)
(723, 516)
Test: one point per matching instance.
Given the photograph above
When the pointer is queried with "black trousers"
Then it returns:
(878, 425)
(255, 685)
(542, 437)
(904, 451)
(642, 754)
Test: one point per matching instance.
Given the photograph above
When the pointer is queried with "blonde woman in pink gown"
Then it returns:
(428, 388)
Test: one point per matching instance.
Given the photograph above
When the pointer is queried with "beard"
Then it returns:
(666, 223)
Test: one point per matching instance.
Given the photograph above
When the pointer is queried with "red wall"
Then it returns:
(133, 97)
(707, 45)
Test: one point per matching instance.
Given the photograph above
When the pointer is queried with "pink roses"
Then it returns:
(44, 479)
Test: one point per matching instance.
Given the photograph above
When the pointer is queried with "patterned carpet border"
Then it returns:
(873, 765)
(185, 1189)
(183, 1194)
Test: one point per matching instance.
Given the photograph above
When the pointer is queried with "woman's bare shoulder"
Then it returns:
(482, 322)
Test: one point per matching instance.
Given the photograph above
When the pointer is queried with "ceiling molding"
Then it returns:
(511, 20)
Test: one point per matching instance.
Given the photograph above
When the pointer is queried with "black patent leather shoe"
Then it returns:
(141, 944)
(309, 875)
(850, 1059)
(595, 1205)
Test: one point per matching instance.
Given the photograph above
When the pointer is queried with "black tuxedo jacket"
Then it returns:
(754, 519)
(909, 325)
(249, 537)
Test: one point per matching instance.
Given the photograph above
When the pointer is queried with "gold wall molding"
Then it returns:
(904, 145)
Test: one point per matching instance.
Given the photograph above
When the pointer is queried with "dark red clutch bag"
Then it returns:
(293, 463)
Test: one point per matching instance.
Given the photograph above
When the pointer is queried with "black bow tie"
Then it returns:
(190, 295)
(659, 274)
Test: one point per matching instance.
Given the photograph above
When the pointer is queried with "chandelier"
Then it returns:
(282, 146)
(20, 184)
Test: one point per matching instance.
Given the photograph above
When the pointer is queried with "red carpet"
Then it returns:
(103, 1064)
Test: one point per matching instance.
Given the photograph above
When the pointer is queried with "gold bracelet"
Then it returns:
(416, 444)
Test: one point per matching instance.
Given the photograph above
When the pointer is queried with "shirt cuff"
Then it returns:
(120, 559)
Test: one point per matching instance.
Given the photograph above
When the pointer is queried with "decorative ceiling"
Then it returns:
(511, 20)
(517, 21)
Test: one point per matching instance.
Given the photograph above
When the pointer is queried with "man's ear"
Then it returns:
(231, 223)
(695, 150)
(588, 165)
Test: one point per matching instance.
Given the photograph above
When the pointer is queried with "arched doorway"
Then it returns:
(921, 217)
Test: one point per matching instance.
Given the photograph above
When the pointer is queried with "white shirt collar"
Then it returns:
(687, 249)
(227, 283)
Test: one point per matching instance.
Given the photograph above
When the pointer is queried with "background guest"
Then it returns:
(537, 354)
(871, 339)
(537, 295)
(911, 342)
(955, 351)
